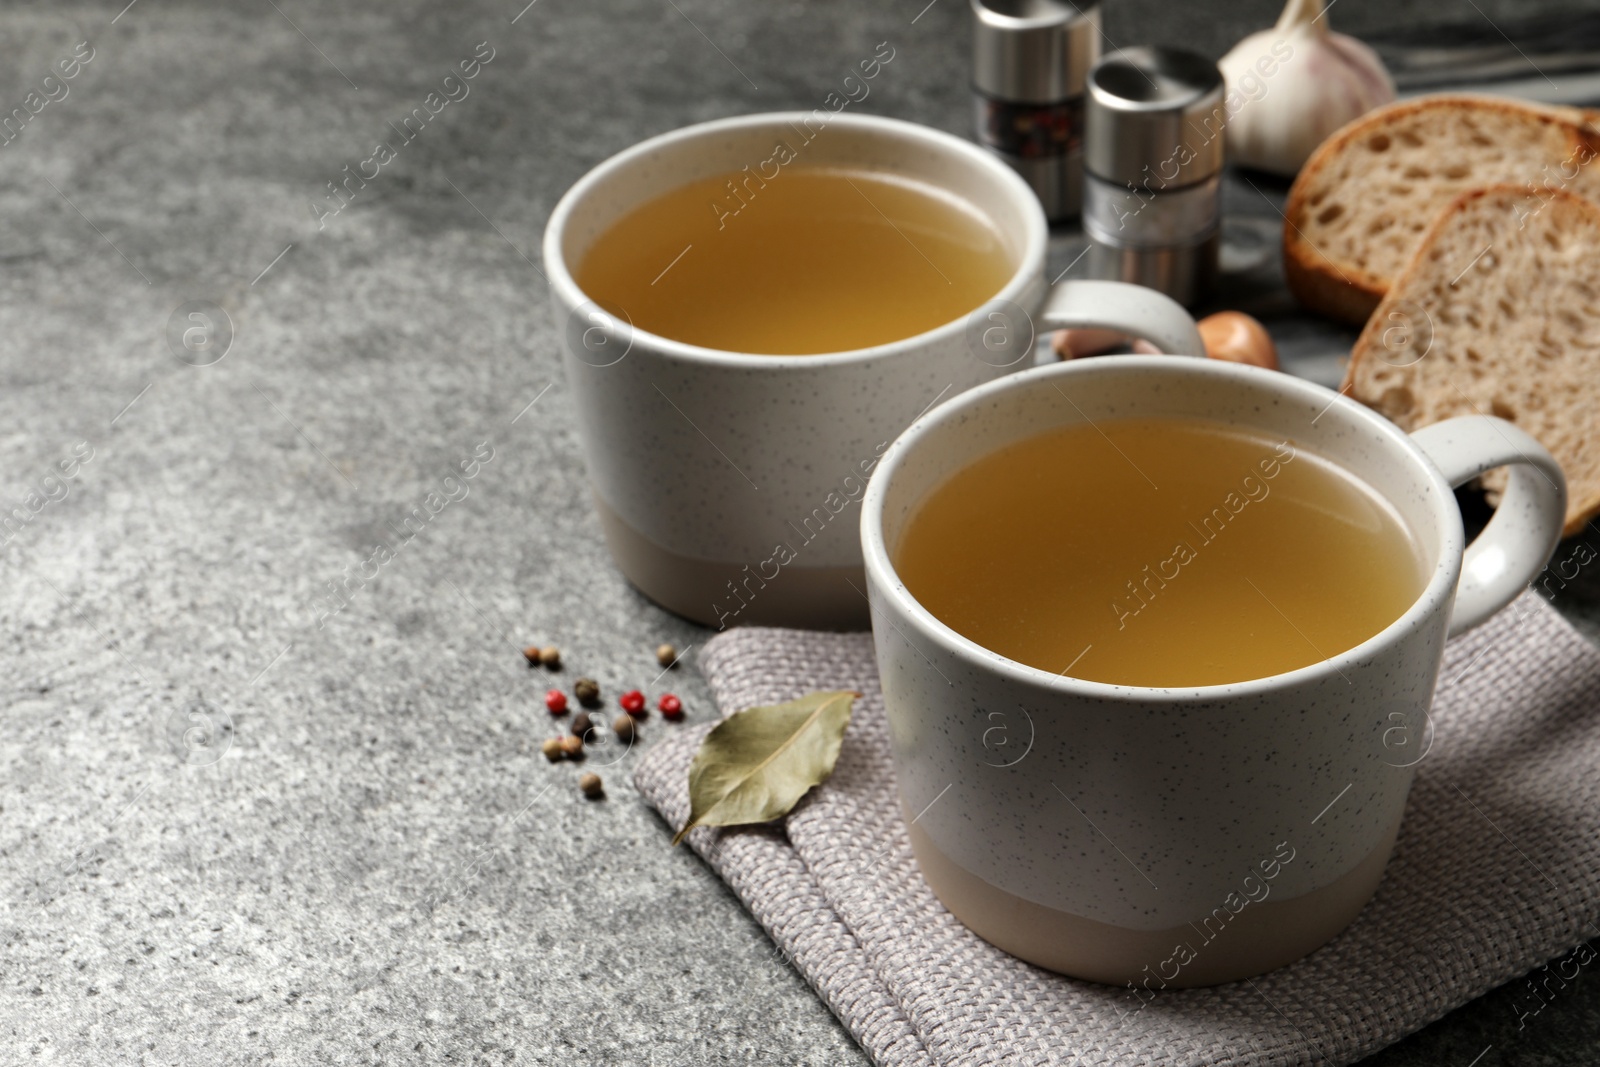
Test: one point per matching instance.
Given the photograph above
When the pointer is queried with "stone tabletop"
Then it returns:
(268, 794)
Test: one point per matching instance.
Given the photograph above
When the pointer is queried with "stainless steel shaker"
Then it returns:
(1153, 134)
(1030, 60)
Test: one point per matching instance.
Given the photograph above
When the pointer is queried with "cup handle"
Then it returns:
(1526, 527)
(1123, 308)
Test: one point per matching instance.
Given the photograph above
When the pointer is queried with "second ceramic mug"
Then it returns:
(725, 481)
(1183, 836)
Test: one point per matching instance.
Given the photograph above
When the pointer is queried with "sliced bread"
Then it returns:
(1498, 312)
(1362, 201)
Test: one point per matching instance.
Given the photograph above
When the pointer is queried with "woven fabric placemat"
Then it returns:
(1496, 871)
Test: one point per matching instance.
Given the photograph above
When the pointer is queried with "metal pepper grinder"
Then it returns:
(1030, 59)
(1153, 133)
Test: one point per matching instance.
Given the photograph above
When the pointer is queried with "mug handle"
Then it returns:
(1126, 308)
(1526, 527)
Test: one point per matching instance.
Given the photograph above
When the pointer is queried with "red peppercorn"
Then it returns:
(670, 706)
(556, 701)
(632, 702)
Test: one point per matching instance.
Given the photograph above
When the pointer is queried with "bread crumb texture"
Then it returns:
(1498, 313)
(1362, 203)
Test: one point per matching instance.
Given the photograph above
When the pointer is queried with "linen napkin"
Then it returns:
(1496, 871)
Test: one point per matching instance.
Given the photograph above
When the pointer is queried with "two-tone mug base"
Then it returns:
(728, 594)
(1260, 937)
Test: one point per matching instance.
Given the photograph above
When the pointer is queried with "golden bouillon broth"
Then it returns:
(811, 260)
(1159, 552)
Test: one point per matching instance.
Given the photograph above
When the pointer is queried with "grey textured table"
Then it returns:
(244, 820)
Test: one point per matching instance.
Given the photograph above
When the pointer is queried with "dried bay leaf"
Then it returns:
(755, 765)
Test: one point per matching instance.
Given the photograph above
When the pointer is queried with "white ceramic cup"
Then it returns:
(725, 482)
(1177, 837)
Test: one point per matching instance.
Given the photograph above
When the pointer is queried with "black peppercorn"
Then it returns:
(587, 690)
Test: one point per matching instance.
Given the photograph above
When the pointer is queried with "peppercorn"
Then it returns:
(623, 728)
(556, 701)
(670, 706)
(550, 656)
(587, 690)
(571, 747)
(581, 725)
(592, 787)
(552, 749)
(632, 702)
(667, 656)
(531, 654)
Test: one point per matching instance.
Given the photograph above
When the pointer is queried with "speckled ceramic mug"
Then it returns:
(1179, 837)
(726, 482)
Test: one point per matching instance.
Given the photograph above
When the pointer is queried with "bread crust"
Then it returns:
(1316, 282)
(1344, 291)
(1580, 510)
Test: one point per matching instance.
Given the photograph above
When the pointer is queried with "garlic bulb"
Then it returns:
(1291, 86)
